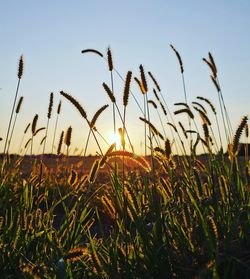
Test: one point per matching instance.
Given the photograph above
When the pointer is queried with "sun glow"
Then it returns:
(114, 138)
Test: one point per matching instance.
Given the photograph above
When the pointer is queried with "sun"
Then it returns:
(114, 138)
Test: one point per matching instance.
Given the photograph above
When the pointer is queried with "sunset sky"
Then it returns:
(51, 35)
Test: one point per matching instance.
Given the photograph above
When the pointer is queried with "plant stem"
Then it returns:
(12, 112)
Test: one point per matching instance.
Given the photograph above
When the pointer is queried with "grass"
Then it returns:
(128, 216)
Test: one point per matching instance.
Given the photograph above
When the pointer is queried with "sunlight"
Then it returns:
(114, 138)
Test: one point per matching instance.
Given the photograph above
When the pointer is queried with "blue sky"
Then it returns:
(51, 35)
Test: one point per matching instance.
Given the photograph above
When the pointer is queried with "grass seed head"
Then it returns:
(110, 59)
(39, 130)
(168, 149)
(50, 105)
(75, 103)
(156, 95)
(127, 88)
(34, 123)
(20, 67)
(152, 103)
(211, 59)
(143, 79)
(208, 102)
(59, 107)
(18, 107)
(140, 85)
(96, 116)
(60, 143)
(236, 139)
(178, 57)
(67, 139)
(109, 92)
(93, 51)
(76, 254)
(215, 82)
(154, 81)
(26, 129)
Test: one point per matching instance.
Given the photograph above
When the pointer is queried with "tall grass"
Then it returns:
(157, 216)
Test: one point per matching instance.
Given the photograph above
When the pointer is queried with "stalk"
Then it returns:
(57, 116)
(19, 75)
(24, 133)
(33, 130)
(13, 127)
(48, 119)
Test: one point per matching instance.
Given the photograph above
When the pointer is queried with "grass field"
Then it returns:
(124, 215)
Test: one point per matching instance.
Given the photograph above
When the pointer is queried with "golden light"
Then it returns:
(114, 138)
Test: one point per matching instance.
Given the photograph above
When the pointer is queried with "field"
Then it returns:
(123, 215)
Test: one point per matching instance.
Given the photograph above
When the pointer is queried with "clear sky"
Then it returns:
(51, 35)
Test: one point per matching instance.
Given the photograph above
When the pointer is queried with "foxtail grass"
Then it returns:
(19, 76)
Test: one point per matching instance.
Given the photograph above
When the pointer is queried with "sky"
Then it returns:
(51, 34)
